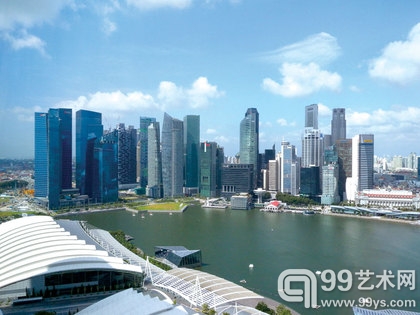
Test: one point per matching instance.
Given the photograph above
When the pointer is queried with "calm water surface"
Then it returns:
(230, 240)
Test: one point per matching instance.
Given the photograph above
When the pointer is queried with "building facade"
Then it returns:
(172, 156)
(249, 140)
(154, 169)
(143, 148)
(192, 154)
(127, 152)
(338, 124)
(53, 149)
(288, 169)
(237, 178)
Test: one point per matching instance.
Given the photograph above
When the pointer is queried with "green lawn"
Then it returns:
(165, 206)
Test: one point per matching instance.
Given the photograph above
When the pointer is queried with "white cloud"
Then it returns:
(109, 27)
(299, 80)
(400, 60)
(211, 131)
(25, 40)
(321, 48)
(355, 89)
(323, 110)
(156, 4)
(199, 95)
(284, 123)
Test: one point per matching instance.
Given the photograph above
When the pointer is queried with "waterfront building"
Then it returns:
(237, 178)
(208, 169)
(242, 201)
(42, 256)
(362, 165)
(273, 172)
(41, 155)
(105, 185)
(89, 131)
(143, 147)
(330, 184)
(53, 154)
(192, 154)
(249, 141)
(338, 125)
(179, 256)
(127, 147)
(172, 156)
(343, 148)
(387, 198)
(154, 169)
(288, 169)
(310, 182)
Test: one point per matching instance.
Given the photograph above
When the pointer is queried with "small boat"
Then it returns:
(251, 266)
(242, 281)
(308, 212)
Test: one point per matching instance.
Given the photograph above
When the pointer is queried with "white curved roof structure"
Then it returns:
(37, 245)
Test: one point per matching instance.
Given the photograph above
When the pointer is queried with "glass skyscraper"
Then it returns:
(172, 156)
(192, 153)
(289, 169)
(143, 138)
(53, 154)
(154, 161)
(249, 140)
(89, 131)
(363, 159)
(127, 152)
(338, 125)
(311, 116)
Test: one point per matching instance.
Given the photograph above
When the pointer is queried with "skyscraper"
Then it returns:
(344, 152)
(172, 156)
(288, 179)
(154, 162)
(312, 148)
(338, 125)
(127, 151)
(53, 154)
(311, 116)
(208, 169)
(89, 131)
(363, 153)
(249, 140)
(362, 165)
(192, 153)
(143, 139)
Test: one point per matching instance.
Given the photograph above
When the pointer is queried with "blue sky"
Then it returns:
(214, 58)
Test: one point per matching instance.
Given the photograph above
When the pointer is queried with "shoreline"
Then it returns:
(376, 218)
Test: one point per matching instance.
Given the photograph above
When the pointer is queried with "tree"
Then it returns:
(261, 306)
(282, 310)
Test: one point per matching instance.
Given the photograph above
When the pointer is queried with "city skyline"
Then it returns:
(128, 59)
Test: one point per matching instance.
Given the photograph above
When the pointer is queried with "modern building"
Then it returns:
(237, 178)
(127, 154)
(363, 159)
(330, 184)
(89, 132)
(209, 170)
(154, 168)
(172, 156)
(249, 141)
(289, 181)
(310, 182)
(312, 148)
(273, 175)
(43, 257)
(192, 154)
(105, 186)
(179, 256)
(53, 154)
(311, 116)
(143, 143)
(242, 201)
(343, 148)
(338, 124)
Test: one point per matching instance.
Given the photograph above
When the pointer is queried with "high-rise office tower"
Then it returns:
(127, 151)
(288, 169)
(192, 153)
(53, 148)
(89, 131)
(344, 153)
(249, 141)
(330, 184)
(312, 148)
(154, 162)
(105, 185)
(208, 169)
(311, 116)
(143, 139)
(172, 156)
(41, 155)
(338, 125)
(363, 158)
